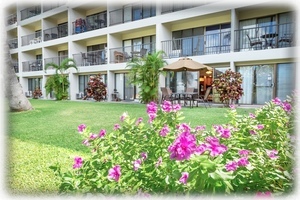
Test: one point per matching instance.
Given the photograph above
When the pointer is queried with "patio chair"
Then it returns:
(203, 98)
(253, 42)
(188, 97)
(166, 94)
(285, 40)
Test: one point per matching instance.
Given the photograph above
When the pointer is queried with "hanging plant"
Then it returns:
(229, 86)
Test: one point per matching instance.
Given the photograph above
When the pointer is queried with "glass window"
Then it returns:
(285, 84)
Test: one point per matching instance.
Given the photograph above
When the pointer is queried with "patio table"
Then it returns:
(185, 96)
(269, 39)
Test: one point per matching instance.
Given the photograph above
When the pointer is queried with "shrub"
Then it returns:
(251, 154)
(96, 88)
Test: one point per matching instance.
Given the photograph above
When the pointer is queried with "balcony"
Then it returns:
(125, 54)
(15, 65)
(34, 65)
(91, 23)
(52, 5)
(33, 38)
(13, 43)
(265, 37)
(30, 12)
(91, 58)
(197, 45)
(56, 60)
(11, 19)
(56, 32)
(131, 13)
(169, 7)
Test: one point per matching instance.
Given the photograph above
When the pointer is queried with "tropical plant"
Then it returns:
(59, 83)
(144, 73)
(229, 86)
(250, 155)
(96, 88)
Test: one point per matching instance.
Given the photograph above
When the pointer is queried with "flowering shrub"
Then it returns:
(249, 155)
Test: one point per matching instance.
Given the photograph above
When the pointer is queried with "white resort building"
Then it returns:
(255, 38)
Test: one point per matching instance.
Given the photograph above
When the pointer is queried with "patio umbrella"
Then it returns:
(185, 64)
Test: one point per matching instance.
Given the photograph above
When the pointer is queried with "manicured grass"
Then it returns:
(48, 134)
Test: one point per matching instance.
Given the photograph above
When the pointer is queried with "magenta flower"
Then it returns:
(243, 162)
(272, 154)
(159, 161)
(151, 110)
(183, 146)
(225, 133)
(263, 194)
(116, 127)
(244, 152)
(184, 177)
(93, 136)
(164, 131)
(286, 106)
(81, 128)
(276, 101)
(86, 142)
(102, 133)
(184, 127)
(114, 173)
(77, 162)
(252, 132)
(167, 106)
(200, 149)
(232, 106)
(138, 121)
(251, 115)
(214, 146)
(200, 128)
(176, 107)
(231, 166)
(123, 117)
(260, 126)
(137, 164)
(144, 155)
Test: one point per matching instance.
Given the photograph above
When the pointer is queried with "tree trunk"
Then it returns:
(13, 90)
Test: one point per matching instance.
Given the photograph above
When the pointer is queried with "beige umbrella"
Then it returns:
(185, 64)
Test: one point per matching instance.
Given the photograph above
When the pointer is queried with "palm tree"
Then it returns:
(59, 83)
(144, 72)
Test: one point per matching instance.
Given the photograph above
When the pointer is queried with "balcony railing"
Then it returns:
(90, 58)
(52, 5)
(11, 19)
(265, 37)
(56, 32)
(33, 38)
(197, 45)
(13, 43)
(125, 54)
(169, 7)
(93, 22)
(55, 60)
(30, 12)
(131, 13)
(33, 65)
(15, 66)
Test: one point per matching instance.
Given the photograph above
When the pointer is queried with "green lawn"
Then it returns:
(48, 134)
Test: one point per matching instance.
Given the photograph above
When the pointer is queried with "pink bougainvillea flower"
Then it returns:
(144, 155)
(167, 106)
(200, 149)
(200, 128)
(272, 153)
(225, 133)
(116, 127)
(276, 101)
(93, 136)
(138, 121)
(286, 106)
(184, 177)
(102, 133)
(86, 142)
(263, 194)
(251, 115)
(176, 107)
(77, 162)
(151, 110)
(231, 166)
(252, 132)
(81, 128)
(184, 127)
(260, 126)
(137, 164)
(244, 152)
(242, 162)
(164, 131)
(232, 106)
(114, 173)
(124, 116)
(216, 150)
(183, 146)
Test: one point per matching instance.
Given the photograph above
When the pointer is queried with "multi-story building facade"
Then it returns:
(257, 39)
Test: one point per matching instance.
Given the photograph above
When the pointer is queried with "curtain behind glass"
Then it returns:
(285, 83)
(248, 26)
(247, 85)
